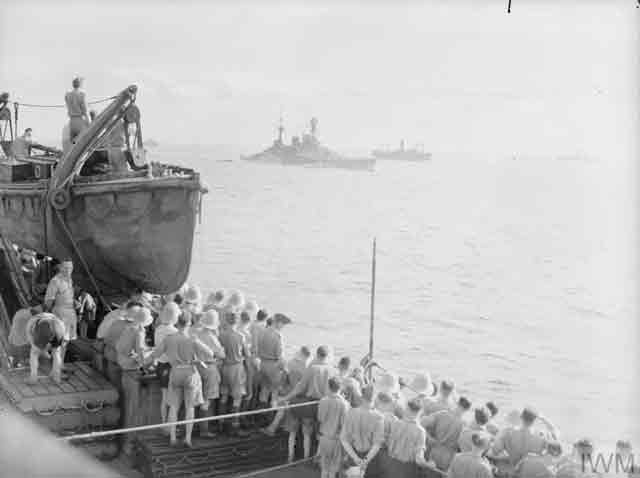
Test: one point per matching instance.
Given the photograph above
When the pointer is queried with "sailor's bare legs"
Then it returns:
(163, 408)
(173, 417)
(34, 355)
(235, 421)
(208, 409)
(292, 446)
(275, 423)
(63, 352)
(269, 399)
(56, 367)
(307, 429)
(189, 413)
(306, 444)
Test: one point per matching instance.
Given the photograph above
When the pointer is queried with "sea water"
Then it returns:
(516, 279)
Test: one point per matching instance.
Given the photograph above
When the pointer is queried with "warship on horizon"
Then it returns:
(307, 152)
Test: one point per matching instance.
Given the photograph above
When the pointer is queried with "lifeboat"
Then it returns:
(123, 230)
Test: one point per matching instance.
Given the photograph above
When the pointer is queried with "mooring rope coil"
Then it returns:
(156, 426)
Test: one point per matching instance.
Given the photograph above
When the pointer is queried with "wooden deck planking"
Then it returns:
(77, 384)
(67, 387)
(96, 377)
(25, 391)
(38, 389)
(82, 385)
(87, 379)
(52, 387)
(12, 390)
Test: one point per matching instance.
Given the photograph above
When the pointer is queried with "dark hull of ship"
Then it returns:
(365, 164)
(132, 232)
(267, 157)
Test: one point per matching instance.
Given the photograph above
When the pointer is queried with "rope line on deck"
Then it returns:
(119, 431)
(274, 468)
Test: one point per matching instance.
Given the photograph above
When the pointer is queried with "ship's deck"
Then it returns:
(82, 384)
(304, 469)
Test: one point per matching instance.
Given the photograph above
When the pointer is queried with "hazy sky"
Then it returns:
(468, 77)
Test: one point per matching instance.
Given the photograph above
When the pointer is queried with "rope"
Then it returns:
(183, 422)
(274, 468)
(33, 105)
(84, 263)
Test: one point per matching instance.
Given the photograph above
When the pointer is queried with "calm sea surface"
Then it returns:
(517, 279)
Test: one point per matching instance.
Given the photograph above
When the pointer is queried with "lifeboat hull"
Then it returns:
(131, 232)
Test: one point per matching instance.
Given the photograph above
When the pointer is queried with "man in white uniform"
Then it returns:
(59, 301)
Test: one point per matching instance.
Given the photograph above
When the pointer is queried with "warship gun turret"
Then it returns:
(308, 151)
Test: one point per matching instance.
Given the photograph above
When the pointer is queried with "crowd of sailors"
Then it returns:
(224, 354)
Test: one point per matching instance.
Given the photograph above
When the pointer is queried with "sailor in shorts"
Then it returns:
(207, 333)
(165, 326)
(46, 334)
(234, 376)
(313, 385)
(331, 413)
(185, 385)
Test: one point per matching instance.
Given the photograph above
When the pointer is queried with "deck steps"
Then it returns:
(213, 457)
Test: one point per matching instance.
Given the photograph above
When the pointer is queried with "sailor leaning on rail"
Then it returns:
(395, 430)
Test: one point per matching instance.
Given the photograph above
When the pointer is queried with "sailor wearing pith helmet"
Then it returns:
(233, 305)
(234, 377)
(131, 347)
(165, 326)
(387, 383)
(217, 300)
(422, 385)
(207, 333)
(252, 308)
(236, 302)
(271, 354)
(192, 299)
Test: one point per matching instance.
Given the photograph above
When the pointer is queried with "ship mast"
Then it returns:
(280, 130)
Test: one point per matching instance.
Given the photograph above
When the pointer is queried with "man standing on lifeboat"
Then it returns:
(76, 101)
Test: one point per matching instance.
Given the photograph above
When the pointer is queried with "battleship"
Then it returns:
(308, 152)
(401, 154)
